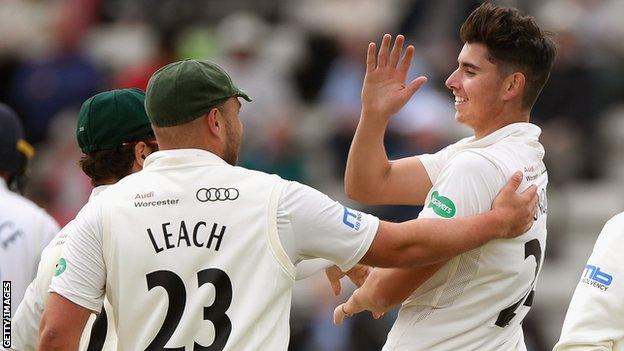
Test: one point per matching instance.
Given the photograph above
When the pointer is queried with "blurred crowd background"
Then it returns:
(302, 62)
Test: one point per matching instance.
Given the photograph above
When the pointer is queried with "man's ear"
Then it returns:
(213, 120)
(141, 151)
(514, 86)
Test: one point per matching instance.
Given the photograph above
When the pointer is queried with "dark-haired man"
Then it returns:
(477, 300)
(115, 136)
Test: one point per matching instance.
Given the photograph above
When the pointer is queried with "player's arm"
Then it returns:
(369, 176)
(62, 324)
(425, 241)
(595, 317)
(384, 289)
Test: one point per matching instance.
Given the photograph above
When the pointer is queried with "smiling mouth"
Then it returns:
(460, 100)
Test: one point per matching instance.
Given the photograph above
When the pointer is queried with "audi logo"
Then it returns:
(216, 194)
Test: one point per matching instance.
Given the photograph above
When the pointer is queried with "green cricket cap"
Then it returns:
(185, 90)
(109, 119)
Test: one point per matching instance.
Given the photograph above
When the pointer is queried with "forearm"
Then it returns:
(387, 287)
(367, 163)
(427, 241)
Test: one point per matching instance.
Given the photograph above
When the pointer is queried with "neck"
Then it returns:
(499, 122)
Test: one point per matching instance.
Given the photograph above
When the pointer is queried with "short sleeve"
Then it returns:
(311, 225)
(466, 185)
(80, 274)
(595, 317)
(49, 229)
(435, 163)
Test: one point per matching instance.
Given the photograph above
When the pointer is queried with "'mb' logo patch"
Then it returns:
(592, 275)
(442, 205)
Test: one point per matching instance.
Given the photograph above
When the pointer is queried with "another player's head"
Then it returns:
(15, 152)
(194, 104)
(115, 135)
(505, 62)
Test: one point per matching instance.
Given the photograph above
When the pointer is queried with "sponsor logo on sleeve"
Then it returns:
(352, 218)
(60, 267)
(593, 276)
(442, 205)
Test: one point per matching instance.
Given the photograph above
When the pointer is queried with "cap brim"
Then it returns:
(242, 94)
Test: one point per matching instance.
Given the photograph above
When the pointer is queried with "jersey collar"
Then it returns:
(180, 157)
(520, 129)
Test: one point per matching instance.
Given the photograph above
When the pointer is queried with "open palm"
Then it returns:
(385, 90)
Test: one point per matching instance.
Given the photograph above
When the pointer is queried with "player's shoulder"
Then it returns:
(472, 161)
(21, 207)
(612, 233)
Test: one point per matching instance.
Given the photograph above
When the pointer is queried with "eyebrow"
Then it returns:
(469, 65)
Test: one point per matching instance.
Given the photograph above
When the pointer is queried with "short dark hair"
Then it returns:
(111, 165)
(514, 42)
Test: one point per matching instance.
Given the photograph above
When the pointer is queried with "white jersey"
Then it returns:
(25, 229)
(188, 252)
(25, 328)
(595, 318)
(478, 300)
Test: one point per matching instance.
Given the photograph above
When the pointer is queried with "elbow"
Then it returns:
(49, 339)
(360, 193)
(352, 191)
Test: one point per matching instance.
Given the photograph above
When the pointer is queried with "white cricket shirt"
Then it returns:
(25, 328)
(188, 251)
(25, 229)
(478, 299)
(595, 318)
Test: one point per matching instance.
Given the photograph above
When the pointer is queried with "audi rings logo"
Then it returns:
(216, 194)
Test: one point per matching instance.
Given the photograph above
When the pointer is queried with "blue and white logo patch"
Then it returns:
(352, 218)
(592, 275)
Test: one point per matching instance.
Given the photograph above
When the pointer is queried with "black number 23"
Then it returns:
(174, 286)
(531, 248)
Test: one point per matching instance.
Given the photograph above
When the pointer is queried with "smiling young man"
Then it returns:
(477, 300)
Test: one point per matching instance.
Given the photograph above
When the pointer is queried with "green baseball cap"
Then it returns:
(182, 91)
(111, 118)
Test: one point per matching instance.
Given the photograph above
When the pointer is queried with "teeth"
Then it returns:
(459, 99)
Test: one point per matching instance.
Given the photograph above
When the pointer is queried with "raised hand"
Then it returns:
(385, 90)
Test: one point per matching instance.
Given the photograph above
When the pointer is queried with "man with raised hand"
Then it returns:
(476, 300)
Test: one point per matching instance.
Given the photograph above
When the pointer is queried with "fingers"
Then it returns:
(514, 182)
(382, 56)
(336, 287)
(396, 51)
(416, 84)
(370, 58)
(340, 314)
(333, 275)
(406, 61)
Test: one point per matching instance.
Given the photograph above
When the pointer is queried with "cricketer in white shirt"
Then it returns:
(25, 229)
(218, 219)
(595, 317)
(480, 297)
(25, 326)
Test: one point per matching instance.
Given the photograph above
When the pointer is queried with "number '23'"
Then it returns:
(174, 286)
